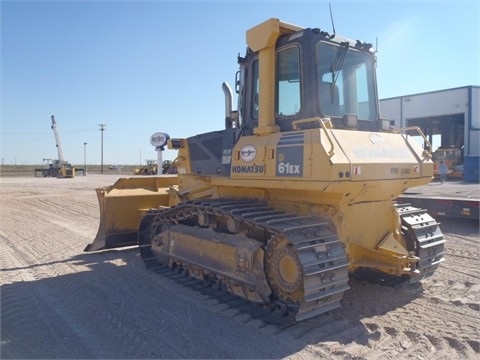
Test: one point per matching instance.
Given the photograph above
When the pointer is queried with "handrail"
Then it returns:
(420, 132)
(322, 122)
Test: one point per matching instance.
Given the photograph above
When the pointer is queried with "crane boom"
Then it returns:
(57, 139)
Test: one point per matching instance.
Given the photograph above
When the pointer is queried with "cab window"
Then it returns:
(288, 82)
(346, 83)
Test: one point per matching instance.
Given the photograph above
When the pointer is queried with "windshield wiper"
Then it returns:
(337, 66)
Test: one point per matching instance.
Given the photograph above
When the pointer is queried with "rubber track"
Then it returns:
(305, 233)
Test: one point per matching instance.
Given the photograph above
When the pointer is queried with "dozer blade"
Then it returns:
(122, 206)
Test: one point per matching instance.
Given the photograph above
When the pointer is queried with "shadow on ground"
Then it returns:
(119, 309)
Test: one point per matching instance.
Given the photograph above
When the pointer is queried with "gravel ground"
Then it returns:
(58, 302)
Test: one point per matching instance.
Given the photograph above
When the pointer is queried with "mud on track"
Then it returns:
(58, 302)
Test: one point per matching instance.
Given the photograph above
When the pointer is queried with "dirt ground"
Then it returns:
(58, 302)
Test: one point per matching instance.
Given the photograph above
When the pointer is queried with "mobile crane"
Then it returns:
(59, 167)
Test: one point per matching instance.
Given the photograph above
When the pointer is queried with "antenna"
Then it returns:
(331, 18)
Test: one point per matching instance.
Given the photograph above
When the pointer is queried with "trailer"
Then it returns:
(452, 199)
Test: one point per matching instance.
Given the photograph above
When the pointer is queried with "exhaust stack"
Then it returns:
(230, 116)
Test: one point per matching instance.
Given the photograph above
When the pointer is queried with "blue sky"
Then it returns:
(142, 67)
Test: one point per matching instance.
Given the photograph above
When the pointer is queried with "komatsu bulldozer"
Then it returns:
(296, 192)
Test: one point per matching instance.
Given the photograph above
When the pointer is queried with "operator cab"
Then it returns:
(317, 76)
(290, 79)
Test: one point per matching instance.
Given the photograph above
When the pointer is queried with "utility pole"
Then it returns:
(84, 159)
(102, 128)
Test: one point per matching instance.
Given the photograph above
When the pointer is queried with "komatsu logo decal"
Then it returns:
(289, 161)
(250, 169)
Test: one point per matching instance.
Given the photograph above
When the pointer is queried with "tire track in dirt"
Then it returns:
(58, 205)
(409, 329)
(58, 302)
(29, 299)
(72, 309)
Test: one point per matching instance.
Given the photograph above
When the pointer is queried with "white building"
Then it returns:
(449, 118)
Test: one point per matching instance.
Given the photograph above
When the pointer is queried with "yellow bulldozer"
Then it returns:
(295, 193)
(149, 169)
